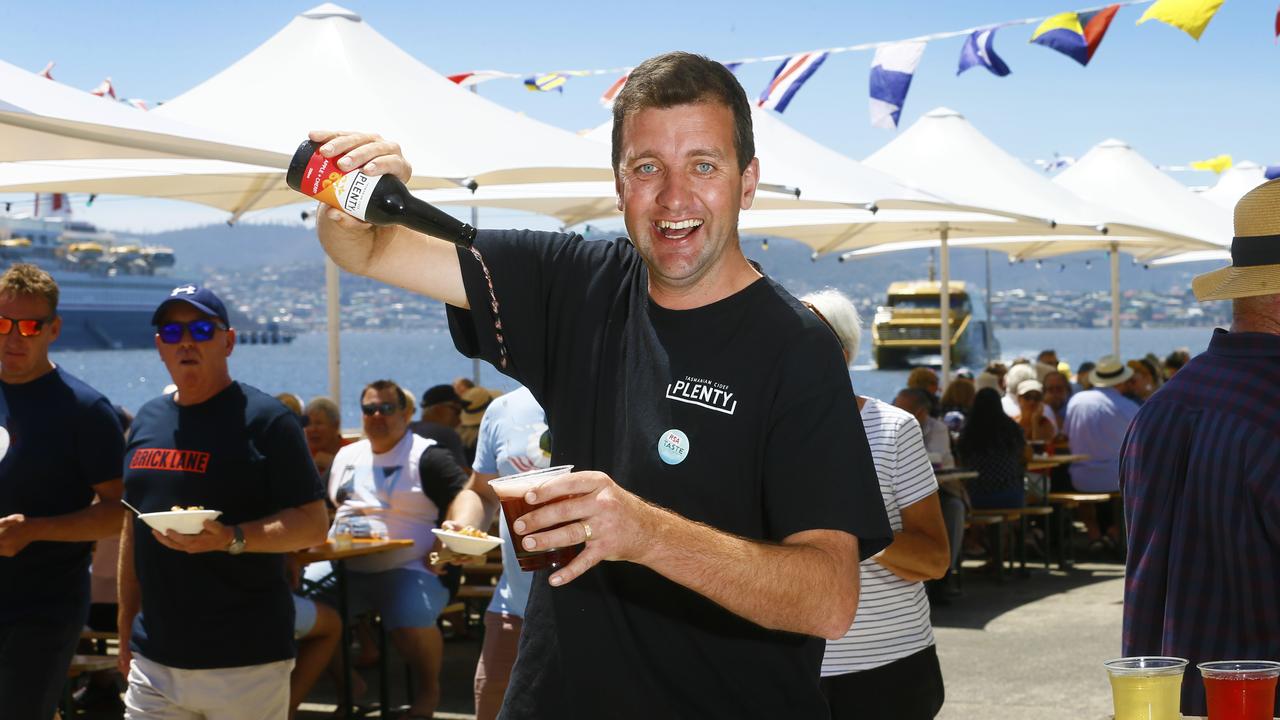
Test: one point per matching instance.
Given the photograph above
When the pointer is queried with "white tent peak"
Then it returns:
(329, 10)
(944, 112)
(1113, 143)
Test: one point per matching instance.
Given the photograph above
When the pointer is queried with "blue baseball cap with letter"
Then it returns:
(197, 297)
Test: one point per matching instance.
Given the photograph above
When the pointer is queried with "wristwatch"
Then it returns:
(237, 543)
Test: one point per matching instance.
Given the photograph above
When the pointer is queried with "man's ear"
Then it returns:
(231, 340)
(750, 179)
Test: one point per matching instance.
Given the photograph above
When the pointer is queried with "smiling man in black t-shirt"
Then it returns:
(723, 468)
(206, 620)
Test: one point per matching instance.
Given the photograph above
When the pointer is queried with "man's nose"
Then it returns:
(675, 192)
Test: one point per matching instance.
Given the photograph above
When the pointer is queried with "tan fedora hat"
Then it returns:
(1109, 371)
(1255, 250)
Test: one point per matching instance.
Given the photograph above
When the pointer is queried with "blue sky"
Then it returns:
(1173, 99)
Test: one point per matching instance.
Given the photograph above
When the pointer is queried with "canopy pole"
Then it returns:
(475, 223)
(333, 307)
(1115, 299)
(944, 304)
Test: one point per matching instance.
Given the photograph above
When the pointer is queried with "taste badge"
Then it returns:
(673, 447)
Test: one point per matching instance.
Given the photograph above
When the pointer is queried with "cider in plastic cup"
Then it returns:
(1240, 689)
(511, 491)
(1146, 688)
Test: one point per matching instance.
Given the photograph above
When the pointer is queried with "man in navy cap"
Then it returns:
(206, 620)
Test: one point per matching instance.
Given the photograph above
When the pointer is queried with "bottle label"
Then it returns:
(349, 191)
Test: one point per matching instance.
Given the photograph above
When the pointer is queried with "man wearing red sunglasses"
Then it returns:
(206, 620)
(61, 445)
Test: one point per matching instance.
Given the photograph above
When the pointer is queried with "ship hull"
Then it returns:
(108, 329)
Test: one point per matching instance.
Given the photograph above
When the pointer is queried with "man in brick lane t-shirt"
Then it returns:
(206, 620)
(724, 490)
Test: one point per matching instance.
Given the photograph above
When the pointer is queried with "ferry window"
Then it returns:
(926, 302)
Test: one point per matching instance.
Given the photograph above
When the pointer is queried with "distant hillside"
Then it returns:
(240, 246)
(253, 246)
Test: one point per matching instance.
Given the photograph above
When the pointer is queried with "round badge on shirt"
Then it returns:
(4, 442)
(673, 447)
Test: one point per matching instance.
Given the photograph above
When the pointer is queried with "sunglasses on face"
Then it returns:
(29, 327)
(201, 331)
(386, 408)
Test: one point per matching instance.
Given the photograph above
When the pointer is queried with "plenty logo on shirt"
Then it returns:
(167, 459)
(703, 393)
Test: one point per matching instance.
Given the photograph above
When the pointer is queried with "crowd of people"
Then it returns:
(755, 536)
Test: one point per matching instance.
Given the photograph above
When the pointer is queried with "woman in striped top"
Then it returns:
(886, 666)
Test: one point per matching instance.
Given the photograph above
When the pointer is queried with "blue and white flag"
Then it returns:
(891, 71)
(980, 50)
(788, 78)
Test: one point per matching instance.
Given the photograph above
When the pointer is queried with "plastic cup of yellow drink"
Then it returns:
(1146, 688)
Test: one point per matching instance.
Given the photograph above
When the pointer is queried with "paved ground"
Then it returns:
(1026, 648)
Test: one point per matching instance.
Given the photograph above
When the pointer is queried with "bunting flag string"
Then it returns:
(47, 72)
(1076, 33)
(1218, 165)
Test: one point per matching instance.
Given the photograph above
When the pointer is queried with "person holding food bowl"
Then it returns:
(206, 617)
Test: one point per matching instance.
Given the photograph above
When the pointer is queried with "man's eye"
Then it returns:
(647, 169)
(704, 167)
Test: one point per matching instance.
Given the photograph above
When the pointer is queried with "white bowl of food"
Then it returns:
(184, 521)
(467, 542)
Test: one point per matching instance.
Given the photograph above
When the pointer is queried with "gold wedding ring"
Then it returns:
(586, 529)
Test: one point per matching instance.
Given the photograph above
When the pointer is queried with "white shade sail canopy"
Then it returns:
(1234, 182)
(945, 154)
(41, 119)
(328, 69)
(1114, 176)
(790, 163)
(274, 96)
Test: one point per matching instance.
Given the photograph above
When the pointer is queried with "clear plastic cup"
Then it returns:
(1240, 689)
(511, 491)
(1146, 688)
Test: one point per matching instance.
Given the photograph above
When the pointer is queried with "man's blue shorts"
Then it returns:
(403, 597)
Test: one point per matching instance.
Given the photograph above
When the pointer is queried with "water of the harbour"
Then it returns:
(418, 359)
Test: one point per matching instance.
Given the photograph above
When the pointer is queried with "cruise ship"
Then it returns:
(108, 285)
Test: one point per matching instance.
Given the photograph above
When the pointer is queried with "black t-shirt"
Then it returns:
(64, 439)
(446, 438)
(240, 452)
(738, 414)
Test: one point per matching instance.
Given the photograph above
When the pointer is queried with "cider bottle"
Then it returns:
(381, 200)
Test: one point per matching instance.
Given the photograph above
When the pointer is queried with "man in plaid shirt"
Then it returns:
(1200, 473)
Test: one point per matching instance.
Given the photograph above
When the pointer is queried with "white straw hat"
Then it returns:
(1255, 250)
(1109, 371)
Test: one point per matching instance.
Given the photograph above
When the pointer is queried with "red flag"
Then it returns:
(1095, 26)
(104, 88)
(1278, 23)
(47, 72)
(612, 93)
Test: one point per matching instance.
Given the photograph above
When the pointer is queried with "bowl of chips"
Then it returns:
(182, 520)
(468, 540)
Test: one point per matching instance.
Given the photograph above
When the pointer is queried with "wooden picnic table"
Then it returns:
(1045, 463)
(337, 556)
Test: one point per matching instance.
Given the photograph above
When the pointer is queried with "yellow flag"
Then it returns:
(1189, 16)
(1219, 164)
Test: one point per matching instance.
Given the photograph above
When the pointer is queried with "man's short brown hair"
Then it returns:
(25, 279)
(379, 385)
(681, 78)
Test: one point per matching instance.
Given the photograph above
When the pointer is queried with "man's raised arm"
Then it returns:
(390, 253)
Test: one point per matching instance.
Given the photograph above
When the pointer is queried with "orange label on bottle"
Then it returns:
(349, 191)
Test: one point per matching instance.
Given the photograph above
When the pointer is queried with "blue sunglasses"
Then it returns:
(201, 331)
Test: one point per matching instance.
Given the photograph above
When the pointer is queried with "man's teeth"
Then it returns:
(669, 225)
